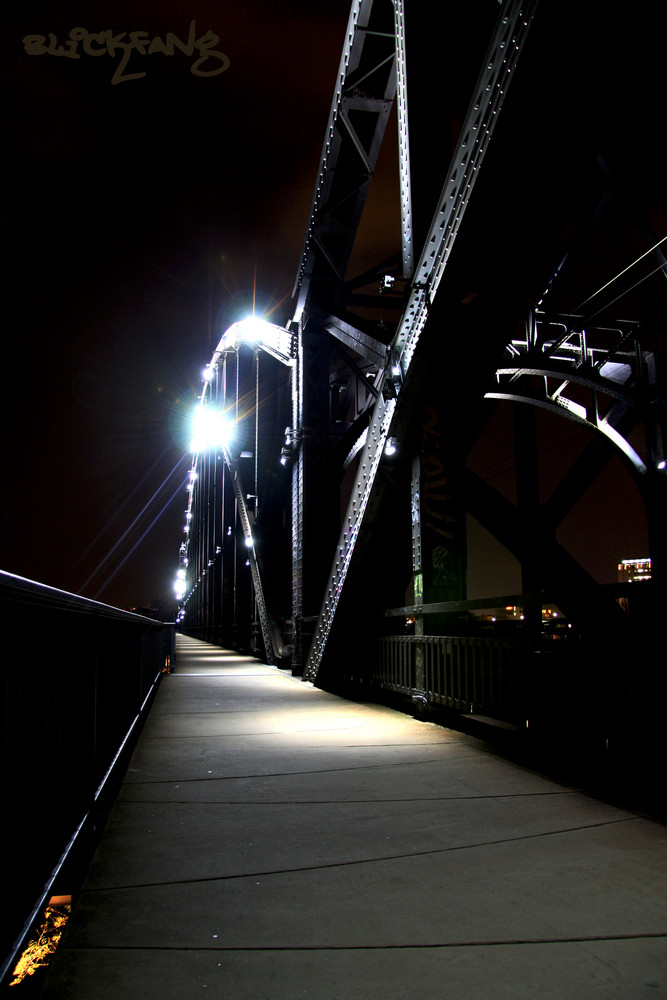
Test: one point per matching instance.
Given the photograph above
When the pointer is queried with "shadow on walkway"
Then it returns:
(273, 841)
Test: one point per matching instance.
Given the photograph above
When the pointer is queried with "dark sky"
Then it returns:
(141, 217)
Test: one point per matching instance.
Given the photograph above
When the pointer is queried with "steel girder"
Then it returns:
(501, 59)
(567, 584)
(561, 355)
(551, 369)
(363, 98)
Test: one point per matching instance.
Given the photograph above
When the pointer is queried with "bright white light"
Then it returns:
(210, 429)
(248, 542)
(252, 330)
(208, 374)
(258, 333)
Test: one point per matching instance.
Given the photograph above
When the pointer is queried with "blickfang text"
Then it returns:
(81, 42)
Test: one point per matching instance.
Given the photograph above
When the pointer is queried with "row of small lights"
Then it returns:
(212, 429)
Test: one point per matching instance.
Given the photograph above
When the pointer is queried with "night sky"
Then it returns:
(142, 217)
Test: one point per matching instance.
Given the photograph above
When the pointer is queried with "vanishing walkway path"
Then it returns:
(272, 841)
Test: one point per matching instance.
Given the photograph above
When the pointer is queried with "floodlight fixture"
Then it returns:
(391, 447)
(257, 333)
(211, 429)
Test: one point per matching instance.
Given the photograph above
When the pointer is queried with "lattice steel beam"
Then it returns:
(562, 355)
(367, 347)
(501, 58)
(365, 89)
(265, 622)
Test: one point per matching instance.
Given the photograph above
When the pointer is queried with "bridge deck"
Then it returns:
(271, 840)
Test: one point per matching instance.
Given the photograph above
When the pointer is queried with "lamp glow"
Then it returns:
(252, 330)
(210, 429)
(255, 333)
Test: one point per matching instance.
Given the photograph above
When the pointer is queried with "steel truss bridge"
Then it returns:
(525, 290)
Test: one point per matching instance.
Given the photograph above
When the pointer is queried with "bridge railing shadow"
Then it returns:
(579, 697)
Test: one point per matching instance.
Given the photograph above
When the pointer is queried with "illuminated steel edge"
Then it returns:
(503, 53)
(297, 509)
(581, 354)
(264, 620)
(407, 231)
(324, 211)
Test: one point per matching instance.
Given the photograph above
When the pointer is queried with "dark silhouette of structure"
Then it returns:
(522, 294)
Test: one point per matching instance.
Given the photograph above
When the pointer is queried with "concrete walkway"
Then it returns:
(272, 841)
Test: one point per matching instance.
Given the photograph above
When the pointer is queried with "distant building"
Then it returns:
(634, 570)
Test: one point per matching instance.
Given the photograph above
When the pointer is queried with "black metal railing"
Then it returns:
(478, 657)
(77, 677)
(517, 659)
(469, 674)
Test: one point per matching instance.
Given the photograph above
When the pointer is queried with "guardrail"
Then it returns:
(467, 673)
(77, 678)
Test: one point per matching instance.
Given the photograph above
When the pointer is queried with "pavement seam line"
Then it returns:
(434, 946)
(342, 802)
(361, 861)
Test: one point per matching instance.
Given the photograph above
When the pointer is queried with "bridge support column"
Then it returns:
(315, 494)
(438, 530)
(528, 503)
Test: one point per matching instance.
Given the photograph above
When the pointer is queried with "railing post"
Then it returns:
(417, 576)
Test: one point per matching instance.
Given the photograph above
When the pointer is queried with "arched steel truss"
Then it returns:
(562, 355)
(354, 383)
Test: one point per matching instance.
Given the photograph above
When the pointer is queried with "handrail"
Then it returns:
(76, 682)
